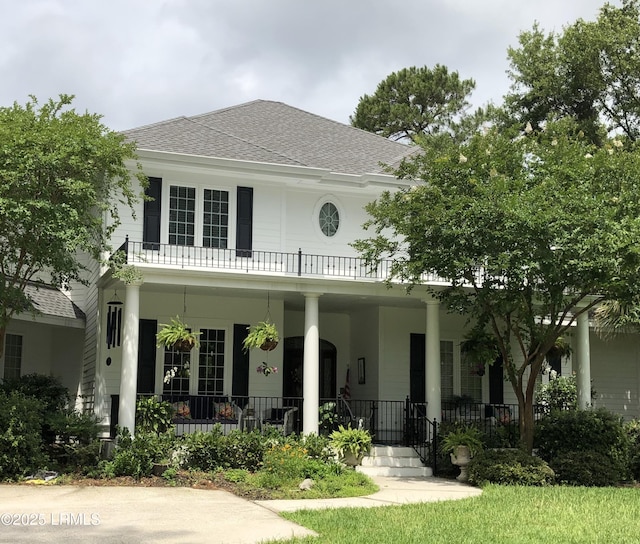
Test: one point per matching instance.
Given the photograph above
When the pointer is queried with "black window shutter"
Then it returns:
(151, 223)
(244, 222)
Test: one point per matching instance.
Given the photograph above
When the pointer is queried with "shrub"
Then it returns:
(76, 445)
(21, 450)
(136, 456)
(632, 428)
(587, 468)
(244, 450)
(598, 431)
(205, 451)
(153, 415)
(509, 467)
(559, 394)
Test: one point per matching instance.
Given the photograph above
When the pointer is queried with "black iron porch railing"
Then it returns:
(255, 261)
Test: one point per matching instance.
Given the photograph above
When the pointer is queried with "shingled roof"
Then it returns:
(275, 133)
(51, 301)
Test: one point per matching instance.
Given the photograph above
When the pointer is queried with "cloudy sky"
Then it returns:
(142, 61)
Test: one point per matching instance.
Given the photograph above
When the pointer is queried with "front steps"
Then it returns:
(395, 461)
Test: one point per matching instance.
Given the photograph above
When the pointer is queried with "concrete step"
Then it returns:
(396, 461)
(385, 461)
(397, 472)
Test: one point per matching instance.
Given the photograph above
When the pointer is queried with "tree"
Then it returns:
(531, 229)
(590, 72)
(61, 174)
(413, 102)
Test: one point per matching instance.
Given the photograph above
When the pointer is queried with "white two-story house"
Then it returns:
(253, 212)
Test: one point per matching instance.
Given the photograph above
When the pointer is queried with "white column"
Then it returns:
(583, 360)
(129, 372)
(311, 384)
(434, 410)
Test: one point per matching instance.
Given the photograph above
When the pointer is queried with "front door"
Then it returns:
(293, 370)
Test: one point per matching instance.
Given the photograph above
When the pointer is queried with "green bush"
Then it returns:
(632, 428)
(76, 446)
(21, 450)
(244, 450)
(509, 467)
(599, 431)
(136, 456)
(153, 415)
(586, 468)
(205, 451)
(560, 393)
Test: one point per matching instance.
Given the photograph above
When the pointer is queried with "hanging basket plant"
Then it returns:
(481, 350)
(177, 336)
(561, 348)
(264, 335)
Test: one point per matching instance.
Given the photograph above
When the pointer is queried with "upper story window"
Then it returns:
(182, 215)
(12, 356)
(329, 219)
(215, 221)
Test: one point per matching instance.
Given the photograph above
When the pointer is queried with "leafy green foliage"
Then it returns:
(462, 436)
(560, 393)
(61, 174)
(587, 468)
(21, 450)
(265, 331)
(484, 222)
(598, 431)
(589, 72)
(177, 333)
(413, 102)
(632, 428)
(509, 467)
(348, 440)
(153, 415)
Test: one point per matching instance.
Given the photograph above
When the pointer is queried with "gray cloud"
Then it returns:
(139, 62)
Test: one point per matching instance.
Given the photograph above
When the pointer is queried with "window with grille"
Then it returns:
(446, 369)
(177, 371)
(12, 356)
(211, 362)
(215, 221)
(182, 215)
(470, 380)
(329, 219)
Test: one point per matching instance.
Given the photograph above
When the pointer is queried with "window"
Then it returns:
(182, 215)
(470, 380)
(12, 356)
(211, 362)
(329, 219)
(446, 369)
(176, 371)
(215, 221)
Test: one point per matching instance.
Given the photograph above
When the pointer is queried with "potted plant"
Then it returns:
(350, 444)
(462, 444)
(481, 350)
(264, 335)
(177, 335)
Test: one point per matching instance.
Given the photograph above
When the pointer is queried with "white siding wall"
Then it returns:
(615, 374)
(365, 342)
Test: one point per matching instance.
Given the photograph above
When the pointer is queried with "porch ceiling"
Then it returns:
(295, 301)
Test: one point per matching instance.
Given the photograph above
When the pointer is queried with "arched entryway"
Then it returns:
(292, 367)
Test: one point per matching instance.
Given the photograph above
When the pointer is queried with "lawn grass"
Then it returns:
(502, 514)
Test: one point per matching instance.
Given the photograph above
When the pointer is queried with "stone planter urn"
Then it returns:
(351, 459)
(461, 457)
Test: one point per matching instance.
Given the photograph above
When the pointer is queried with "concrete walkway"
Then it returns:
(109, 515)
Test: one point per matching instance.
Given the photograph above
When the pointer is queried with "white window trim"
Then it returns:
(315, 219)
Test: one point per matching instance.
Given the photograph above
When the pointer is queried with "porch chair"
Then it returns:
(353, 420)
(281, 418)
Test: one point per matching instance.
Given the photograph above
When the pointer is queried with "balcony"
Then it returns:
(272, 263)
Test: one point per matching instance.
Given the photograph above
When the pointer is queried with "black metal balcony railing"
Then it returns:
(254, 261)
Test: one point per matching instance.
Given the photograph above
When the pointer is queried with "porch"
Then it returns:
(391, 422)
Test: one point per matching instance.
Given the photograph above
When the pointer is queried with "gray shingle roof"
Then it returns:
(272, 132)
(51, 301)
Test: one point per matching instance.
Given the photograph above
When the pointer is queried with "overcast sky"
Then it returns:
(141, 61)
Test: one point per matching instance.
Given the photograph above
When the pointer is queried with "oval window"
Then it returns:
(329, 219)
